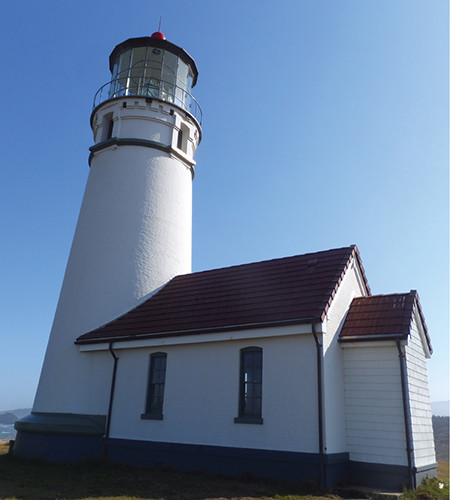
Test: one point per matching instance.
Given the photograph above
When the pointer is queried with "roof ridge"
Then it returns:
(265, 261)
(406, 294)
(354, 253)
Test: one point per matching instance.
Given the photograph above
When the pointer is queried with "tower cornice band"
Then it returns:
(114, 141)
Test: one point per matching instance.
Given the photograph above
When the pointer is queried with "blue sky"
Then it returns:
(325, 124)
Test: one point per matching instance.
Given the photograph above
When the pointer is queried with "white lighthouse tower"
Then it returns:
(134, 229)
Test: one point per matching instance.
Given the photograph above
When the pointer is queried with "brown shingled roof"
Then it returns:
(290, 290)
(380, 317)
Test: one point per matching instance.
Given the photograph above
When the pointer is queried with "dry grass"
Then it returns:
(29, 480)
(443, 471)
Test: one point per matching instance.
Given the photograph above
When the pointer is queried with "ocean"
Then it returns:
(7, 432)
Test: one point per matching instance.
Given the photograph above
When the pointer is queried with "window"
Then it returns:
(182, 138)
(107, 126)
(250, 386)
(155, 390)
(110, 130)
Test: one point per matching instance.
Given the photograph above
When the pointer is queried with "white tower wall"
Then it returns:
(133, 235)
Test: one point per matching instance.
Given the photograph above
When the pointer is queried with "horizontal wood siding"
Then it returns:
(419, 400)
(373, 400)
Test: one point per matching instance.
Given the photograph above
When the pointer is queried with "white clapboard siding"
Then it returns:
(419, 399)
(373, 400)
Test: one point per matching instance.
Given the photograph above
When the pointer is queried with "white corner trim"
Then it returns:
(355, 265)
(423, 337)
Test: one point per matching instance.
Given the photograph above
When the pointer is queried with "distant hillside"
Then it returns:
(7, 418)
(440, 408)
(19, 412)
(441, 437)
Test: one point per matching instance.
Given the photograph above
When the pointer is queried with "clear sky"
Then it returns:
(325, 124)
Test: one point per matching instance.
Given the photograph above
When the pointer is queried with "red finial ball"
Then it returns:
(158, 34)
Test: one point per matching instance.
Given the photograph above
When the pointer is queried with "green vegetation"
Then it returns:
(429, 489)
(441, 427)
(432, 489)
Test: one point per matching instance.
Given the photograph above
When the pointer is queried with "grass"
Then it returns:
(443, 471)
(30, 480)
(27, 479)
(429, 489)
(436, 488)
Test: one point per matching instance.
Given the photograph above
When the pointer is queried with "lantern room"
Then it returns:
(155, 68)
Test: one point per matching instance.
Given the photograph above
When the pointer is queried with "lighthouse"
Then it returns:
(134, 228)
(287, 368)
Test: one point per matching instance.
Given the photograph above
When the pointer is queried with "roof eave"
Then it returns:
(196, 331)
(371, 338)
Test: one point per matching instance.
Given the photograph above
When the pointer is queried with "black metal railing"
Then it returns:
(149, 87)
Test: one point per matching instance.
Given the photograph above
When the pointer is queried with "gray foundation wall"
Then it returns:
(339, 470)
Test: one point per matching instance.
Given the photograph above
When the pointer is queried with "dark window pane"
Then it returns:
(157, 376)
(250, 391)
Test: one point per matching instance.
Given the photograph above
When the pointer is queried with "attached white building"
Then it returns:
(387, 404)
(286, 368)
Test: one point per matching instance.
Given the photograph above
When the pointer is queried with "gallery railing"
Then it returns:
(149, 87)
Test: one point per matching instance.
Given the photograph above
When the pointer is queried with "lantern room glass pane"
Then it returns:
(137, 62)
(169, 72)
(124, 63)
(182, 75)
(115, 70)
(152, 72)
(121, 83)
(169, 76)
(138, 56)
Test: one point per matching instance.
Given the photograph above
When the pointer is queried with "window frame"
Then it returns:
(152, 411)
(251, 416)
